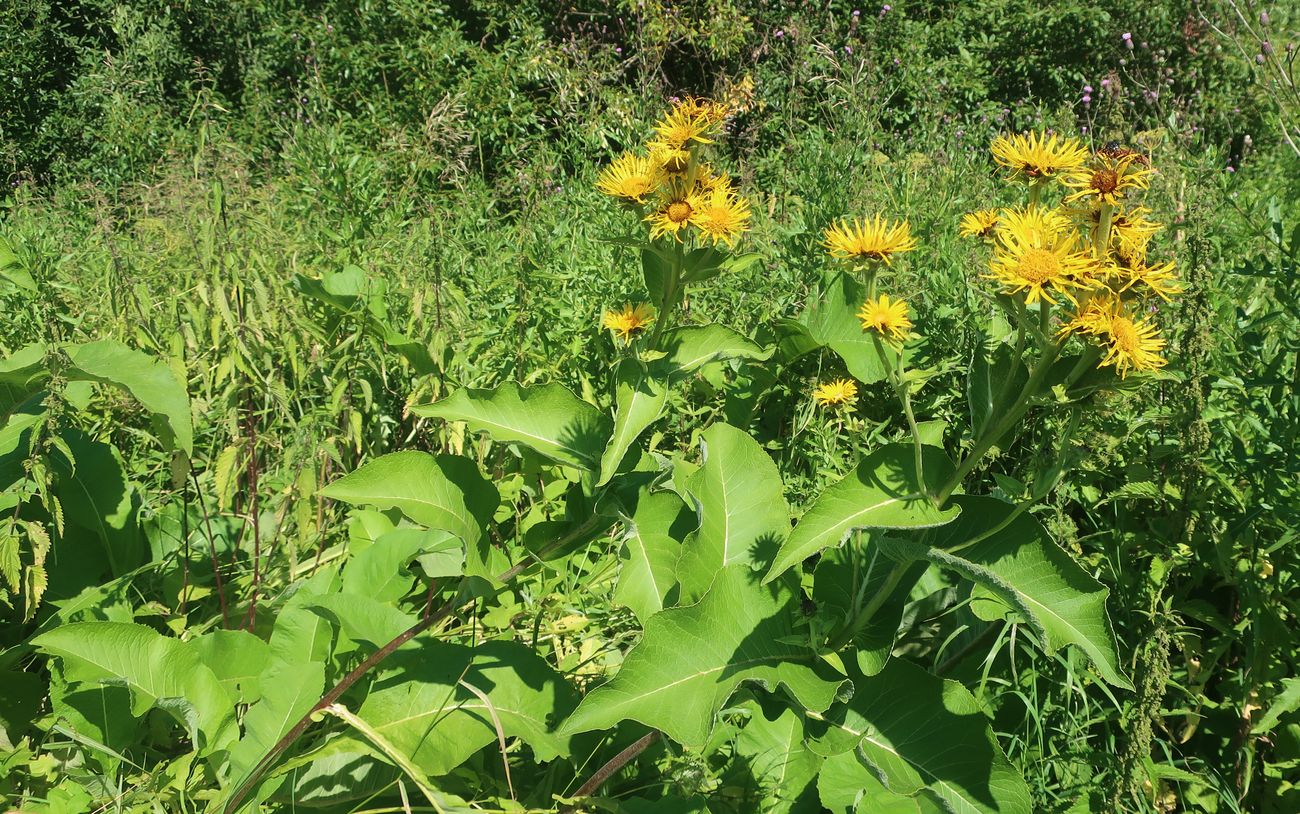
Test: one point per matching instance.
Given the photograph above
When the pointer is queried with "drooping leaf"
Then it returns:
(847, 785)
(547, 419)
(743, 514)
(1019, 569)
(639, 398)
(22, 374)
(924, 734)
(691, 659)
(12, 268)
(149, 380)
(101, 508)
(881, 493)
(692, 346)
(443, 492)
(159, 671)
(651, 548)
(422, 707)
(380, 572)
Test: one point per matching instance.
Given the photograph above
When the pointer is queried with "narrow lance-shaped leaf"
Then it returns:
(1019, 568)
(639, 399)
(692, 658)
(743, 513)
(882, 493)
(547, 419)
(925, 735)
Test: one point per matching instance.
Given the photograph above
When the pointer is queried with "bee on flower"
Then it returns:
(861, 239)
(628, 322)
(836, 393)
(886, 317)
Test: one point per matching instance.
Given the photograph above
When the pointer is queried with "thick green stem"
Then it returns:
(867, 611)
(901, 390)
(671, 295)
(1101, 248)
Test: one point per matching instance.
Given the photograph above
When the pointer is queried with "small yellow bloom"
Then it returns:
(876, 239)
(1130, 232)
(684, 126)
(673, 161)
(979, 223)
(1109, 180)
(1160, 279)
(695, 107)
(1033, 261)
(886, 317)
(1033, 156)
(1130, 343)
(631, 177)
(628, 322)
(836, 392)
(723, 215)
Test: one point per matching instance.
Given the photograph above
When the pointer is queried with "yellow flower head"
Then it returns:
(684, 126)
(836, 392)
(886, 317)
(631, 177)
(628, 322)
(1130, 343)
(876, 239)
(1109, 180)
(1130, 232)
(1034, 222)
(979, 223)
(1034, 261)
(1033, 156)
(695, 107)
(676, 210)
(1160, 279)
(723, 215)
(674, 161)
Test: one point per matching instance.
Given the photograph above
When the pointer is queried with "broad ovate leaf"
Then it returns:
(883, 492)
(443, 492)
(160, 672)
(149, 380)
(922, 734)
(652, 544)
(693, 346)
(690, 660)
(547, 418)
(639, 397)
(743, 514)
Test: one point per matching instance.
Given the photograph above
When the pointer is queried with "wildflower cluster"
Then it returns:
(1087, 256)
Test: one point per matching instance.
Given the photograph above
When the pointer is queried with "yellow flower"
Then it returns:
(1035, 222)
(683, 126)
(1031, 156)
(1160, 279)
(631, 177)
(1130, 343)
(1130, 232)
(876, 239)
(723, 215)
(836, 392)
(1035, 260)
(1109, 181)
(675, 212)
(670, 160)
(695, 107)
(979, 223)
(886, 317)
(628, 322)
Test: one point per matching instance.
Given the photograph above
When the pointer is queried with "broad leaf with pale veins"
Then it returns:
(651, 548)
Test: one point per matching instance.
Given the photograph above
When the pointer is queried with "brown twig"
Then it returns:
(615, 763)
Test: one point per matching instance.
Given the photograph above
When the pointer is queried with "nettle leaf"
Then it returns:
(741, 502)
(548, 419)
(922, 734)
(881, 493)
(162, 672)
(1020, 569)
(149, 380)
(444, 492)
(691, 659)
(639, 399)
(424, 706)
(651, 547)
(777, 759)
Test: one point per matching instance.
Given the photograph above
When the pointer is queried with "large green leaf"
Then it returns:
(651, 548)
(236, 658)
(289, 691)
(639, 397)
(832, 322)
(743, 514)
(380, 571)
(691, 659)
(101, 508)
(848, 785)
(924, 734)
(848, 577)
(149, 380)
(881, 493)
(444, 492)
(547, 419)
(22, 374)
(1019, 569)
(159, 671)
(424, 704)
(692, 346)
(777, 760)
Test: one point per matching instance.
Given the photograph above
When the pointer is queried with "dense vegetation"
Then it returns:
(341, 471)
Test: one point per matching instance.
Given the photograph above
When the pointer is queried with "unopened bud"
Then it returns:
(1263, 18)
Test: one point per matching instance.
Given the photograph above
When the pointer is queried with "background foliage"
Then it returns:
(310, 216)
